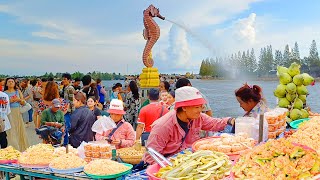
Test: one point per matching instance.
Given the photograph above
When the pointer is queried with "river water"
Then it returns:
(220, 94)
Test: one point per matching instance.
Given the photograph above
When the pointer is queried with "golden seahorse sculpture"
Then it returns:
(151, 33)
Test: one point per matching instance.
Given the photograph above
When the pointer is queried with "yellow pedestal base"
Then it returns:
(149, 78)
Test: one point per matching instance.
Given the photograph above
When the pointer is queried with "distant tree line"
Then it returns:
(245, 63)
(94, 75)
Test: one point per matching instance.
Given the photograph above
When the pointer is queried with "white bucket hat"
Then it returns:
(116, 107)
(188, 96)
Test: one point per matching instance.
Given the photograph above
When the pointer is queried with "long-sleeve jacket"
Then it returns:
(82, 120)
(125, 133)
(167, 137)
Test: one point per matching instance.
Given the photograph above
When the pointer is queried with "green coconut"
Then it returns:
(294, 69)
(281, 69)
(283, 102)
(280, 91)
(298, 79)
(307, 79)
(305, 113)
(291, 88)
(302, 90)
(291, 97)
(295, 114)
(298, 104)
(285, 78)
(303, 98)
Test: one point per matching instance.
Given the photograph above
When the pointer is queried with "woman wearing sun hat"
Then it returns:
(123, 135)
(180, 128)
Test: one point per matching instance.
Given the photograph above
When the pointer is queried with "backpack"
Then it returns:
(2, 125)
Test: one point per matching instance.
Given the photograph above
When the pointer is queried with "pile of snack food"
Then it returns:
(67, 161)
(278, 159)
(308, 134)
(62, 150)
(131, 155)
(203, 164)
(104, 167)
(97, 151)
(226, 143)
(40, 154)
(276, 119)
(9, 153)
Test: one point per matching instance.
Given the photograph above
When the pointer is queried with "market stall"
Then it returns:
(208, 158)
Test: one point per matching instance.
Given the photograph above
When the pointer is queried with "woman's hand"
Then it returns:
(116, 142)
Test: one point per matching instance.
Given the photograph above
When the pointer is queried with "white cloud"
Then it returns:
(212, 12)
(48, 35)
(245, 28)
(177, 55)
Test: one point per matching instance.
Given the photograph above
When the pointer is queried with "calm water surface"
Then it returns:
(222, 99)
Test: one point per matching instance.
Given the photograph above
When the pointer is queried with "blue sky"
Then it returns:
(40, 36)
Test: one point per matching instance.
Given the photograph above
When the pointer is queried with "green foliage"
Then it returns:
(245, 63)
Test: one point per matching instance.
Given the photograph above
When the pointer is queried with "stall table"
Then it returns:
(39, 173)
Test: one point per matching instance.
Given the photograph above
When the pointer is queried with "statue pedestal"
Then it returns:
(149, 78)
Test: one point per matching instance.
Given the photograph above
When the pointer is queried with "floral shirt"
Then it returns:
(132, 106)
(43, 106)
(260, 108)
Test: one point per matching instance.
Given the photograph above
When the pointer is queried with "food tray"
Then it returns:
(8, 161)
(111, 176)
(232, 156)
(154, 168)
(36, 166)
(295, 124)
(66, 171)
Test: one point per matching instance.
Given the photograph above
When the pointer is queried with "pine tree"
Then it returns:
(252, 61)
(278, 58)
(269, 60)
(313, 55)
(202, 68)
(262, 58)
(313, 59)
(296, 54)
(286, 56)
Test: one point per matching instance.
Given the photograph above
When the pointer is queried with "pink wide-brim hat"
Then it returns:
(116, 107)
(188, 96)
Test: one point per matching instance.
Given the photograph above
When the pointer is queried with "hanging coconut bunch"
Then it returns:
(292, 91)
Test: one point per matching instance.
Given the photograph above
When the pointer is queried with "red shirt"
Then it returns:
(150, 113)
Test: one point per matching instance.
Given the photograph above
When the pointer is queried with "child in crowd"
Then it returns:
(164, 98)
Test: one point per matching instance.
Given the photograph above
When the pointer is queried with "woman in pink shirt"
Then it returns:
(123, 135)
(180, 128)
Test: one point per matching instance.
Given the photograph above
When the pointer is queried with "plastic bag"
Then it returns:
(103, 124)
(81, 150)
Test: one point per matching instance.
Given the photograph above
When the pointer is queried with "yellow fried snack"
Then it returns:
(67, 161)
(40, 154)
(104, 167)
(9, 153)
(308, 134)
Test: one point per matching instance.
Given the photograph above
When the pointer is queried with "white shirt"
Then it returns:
(5, 109)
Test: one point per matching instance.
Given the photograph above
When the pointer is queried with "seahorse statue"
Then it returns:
(151, 33)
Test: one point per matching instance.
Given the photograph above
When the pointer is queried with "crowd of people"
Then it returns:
(169, 120)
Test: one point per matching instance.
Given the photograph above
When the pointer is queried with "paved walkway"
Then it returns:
(33, 138)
